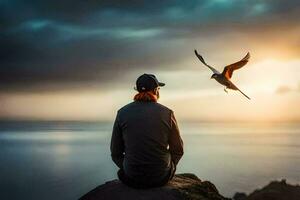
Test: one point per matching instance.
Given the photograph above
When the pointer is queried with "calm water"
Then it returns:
(62, 161)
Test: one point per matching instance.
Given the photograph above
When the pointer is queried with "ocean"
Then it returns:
(64, 160)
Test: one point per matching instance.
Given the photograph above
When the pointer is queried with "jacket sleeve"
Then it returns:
(175, 141)
(117, 144)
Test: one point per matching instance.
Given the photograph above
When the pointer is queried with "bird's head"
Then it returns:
(213, 76)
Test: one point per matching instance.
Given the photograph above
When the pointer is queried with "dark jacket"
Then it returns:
(145, 140)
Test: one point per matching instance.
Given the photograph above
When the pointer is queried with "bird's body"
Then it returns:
(224, 77)
(224, 81)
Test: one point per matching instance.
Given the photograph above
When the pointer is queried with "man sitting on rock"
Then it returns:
(146, 144)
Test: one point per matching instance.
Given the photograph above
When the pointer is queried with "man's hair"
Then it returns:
(145, 97)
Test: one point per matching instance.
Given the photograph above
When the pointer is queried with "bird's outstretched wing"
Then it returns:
(202, 60)
(228, 70)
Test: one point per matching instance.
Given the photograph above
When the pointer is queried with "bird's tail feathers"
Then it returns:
(244, 94)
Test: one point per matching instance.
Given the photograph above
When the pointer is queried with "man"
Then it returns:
(146, 144)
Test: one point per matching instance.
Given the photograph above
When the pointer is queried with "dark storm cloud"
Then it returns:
(62, 42)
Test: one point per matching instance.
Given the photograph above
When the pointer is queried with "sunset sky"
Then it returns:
(79, 60)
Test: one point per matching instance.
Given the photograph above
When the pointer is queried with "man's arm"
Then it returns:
(117, 144)
(175, 141)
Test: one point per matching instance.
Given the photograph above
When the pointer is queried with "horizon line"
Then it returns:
(3, 120)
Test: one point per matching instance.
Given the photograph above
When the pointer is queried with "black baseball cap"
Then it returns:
(147, 82)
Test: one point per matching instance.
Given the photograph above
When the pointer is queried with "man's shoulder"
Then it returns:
(126, 107)
(163, 107)
(134, 104)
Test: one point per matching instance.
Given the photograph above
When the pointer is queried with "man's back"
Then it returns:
(147, 129)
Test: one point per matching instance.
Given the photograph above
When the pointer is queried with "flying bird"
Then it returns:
(224, 77)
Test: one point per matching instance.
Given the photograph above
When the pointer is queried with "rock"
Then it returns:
(181, 187)
(239, 196)
(276, 190)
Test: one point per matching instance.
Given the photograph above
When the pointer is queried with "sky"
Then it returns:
(79, 60)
